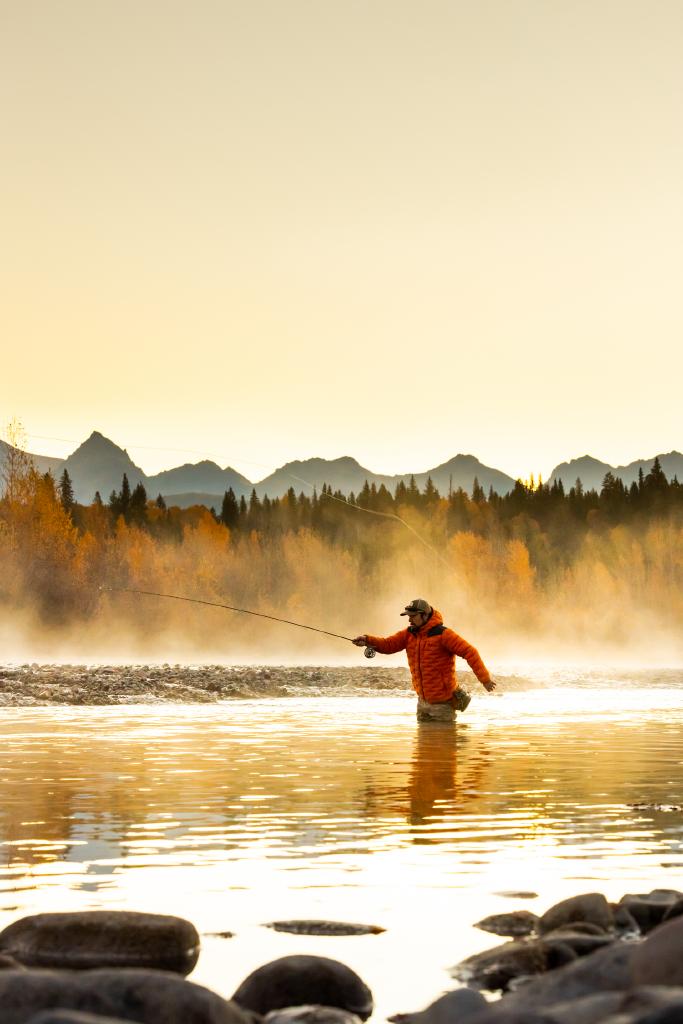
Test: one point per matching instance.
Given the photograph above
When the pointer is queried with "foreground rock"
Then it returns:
(73, 1017)
(591, 907)
(147, 997)
(103, 938)
(650, 909)
(325, 928)
(456, 1007)
(659, 960)
(607, 970)
(496, 968)
(311, 1015)
(515, 924)
(304, 980)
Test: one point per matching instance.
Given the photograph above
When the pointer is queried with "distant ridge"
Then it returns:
(201, 476)
(98, 465)
(592, 472)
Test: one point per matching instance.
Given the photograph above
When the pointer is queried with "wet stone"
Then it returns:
(581, 942)
(675, 910)
(513, 894)
(606, 970)
(325, 928)
(587, 1010)
(515, 924)
(147, 997)
(302, 981)
(591, 907)
(455, 1007)
(73, 1017)
(8, 963)
(103, 938)
(659, 959)
(311, 1015)
(624, 921)
(496, 968)
(650, 909)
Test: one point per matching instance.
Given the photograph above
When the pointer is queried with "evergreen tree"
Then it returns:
(160, 502)
(230, 512)
(431, 495)
(137, 505)
(124, 495)
(254, 511)
(97, 500)
(413, 494)
(656, 481)
(114, 505)
(478, 495)
(66, 492)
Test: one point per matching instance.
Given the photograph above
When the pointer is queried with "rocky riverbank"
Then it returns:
(584, 961)
(35, 685)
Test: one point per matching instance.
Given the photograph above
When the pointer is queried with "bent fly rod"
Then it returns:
(369, 652)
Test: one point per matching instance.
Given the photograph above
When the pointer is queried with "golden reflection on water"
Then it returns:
(238, 814)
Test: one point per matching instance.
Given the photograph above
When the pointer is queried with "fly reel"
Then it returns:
(369, 652)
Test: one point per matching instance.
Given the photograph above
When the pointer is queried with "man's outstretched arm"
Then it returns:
(384, 644)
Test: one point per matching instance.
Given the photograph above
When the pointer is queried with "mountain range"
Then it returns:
(98, 465)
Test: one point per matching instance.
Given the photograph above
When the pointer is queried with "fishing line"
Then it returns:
(369, 651)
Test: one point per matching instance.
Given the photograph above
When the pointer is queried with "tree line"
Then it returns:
(563, 514)
(535, 559)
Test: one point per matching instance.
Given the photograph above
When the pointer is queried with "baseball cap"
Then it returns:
(418, 604)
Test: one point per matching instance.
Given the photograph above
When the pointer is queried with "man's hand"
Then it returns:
(360, 641)
(489, 686)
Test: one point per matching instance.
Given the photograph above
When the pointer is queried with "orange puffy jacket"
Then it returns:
(431, 653)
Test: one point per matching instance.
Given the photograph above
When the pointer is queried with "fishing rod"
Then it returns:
(369, 651)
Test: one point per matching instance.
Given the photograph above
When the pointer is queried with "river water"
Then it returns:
(242, 812)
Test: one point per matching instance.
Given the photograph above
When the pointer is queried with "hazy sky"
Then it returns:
(397, 230)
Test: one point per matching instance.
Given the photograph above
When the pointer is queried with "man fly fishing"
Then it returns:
(432, 648)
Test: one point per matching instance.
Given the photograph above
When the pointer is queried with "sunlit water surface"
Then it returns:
(245, 812)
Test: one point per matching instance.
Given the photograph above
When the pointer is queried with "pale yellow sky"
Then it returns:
(395, 230)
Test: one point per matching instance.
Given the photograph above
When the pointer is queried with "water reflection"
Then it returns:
(348, 809)
(444, 774)
(100, 790)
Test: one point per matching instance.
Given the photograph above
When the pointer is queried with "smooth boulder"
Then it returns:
(147, 997)
(456, 1007)
(311, 1015)
(514, 925)
(607, 970)
(675, 910)
(8, 963)
(304, 980)
(590, 906)
(650, 909)
(659, 959)
(103, 938)
(581, 942)
(495, 968)
(73, 1017)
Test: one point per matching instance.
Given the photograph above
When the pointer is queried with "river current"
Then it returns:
(319, 802)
